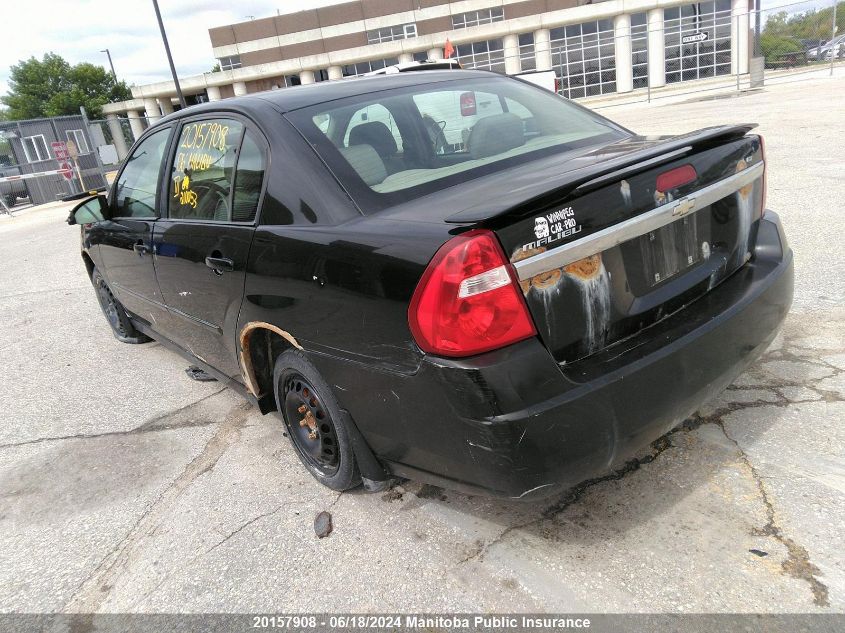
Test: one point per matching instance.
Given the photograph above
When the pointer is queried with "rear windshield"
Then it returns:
(396, 145)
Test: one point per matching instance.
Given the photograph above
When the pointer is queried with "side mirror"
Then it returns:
(89, 211)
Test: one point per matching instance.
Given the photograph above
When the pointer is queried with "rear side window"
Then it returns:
(204, 169)
(452, 131)
(135, 191)
(248, 178)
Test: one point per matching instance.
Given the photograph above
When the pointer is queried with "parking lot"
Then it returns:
(127, 487)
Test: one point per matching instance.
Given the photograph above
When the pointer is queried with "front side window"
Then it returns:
(135, 190)
(451, 131)
(203, 169)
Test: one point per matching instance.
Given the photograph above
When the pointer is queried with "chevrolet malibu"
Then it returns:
(450, 276)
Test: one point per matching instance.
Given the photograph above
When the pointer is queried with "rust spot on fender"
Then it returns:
(246, 358)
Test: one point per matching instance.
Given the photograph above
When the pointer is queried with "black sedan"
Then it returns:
(451, 276)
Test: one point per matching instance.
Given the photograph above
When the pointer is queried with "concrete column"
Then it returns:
(117, 135)
(151, 108)
(135, 123)
(656, 49)
(239, 87)
(306, 77)
(542, 49)
(213, 93)
(512, 63)
(739, 36)
(335, 72)
(624, 69)
(435, 53)
(406, 58)
(166, 105)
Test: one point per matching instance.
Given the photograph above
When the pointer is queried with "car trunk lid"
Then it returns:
(606, 252)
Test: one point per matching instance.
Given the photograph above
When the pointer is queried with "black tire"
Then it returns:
(11, 200)
(324, 448)
(115, 313)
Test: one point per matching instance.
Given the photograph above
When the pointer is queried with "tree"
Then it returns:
(52, 87)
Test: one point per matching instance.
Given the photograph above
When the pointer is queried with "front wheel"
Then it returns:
(115, 313)
(314, 421)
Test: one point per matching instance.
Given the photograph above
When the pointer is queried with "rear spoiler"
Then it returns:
(593, 176)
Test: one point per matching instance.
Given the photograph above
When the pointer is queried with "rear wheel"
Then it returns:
(315, 424)
(115, 313)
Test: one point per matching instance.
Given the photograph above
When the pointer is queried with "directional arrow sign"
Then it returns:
(699, 36)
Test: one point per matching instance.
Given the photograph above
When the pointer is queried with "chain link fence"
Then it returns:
(44, 160)
(800, 36)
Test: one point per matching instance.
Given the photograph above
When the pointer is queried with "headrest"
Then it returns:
(374, 133)
(366, 162)
(495, 134)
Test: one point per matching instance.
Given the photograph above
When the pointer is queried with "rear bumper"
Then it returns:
(513, 423)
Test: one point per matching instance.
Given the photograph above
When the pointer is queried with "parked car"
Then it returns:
(428, 64)
(508, 314)
(826, 51)
(544, 78)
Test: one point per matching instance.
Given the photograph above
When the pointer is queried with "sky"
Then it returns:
(79, 29)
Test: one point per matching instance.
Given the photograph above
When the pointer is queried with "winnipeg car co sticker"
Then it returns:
(554, 226)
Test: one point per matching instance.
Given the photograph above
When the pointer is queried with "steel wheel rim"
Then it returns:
(109, 306)
(309, 424)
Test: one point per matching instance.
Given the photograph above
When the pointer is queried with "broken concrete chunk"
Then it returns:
(323, 524)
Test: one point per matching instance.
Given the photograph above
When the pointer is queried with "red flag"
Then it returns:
(448, 50)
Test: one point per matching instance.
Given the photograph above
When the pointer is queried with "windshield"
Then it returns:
(396, 145)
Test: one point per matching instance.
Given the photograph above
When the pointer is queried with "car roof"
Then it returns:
(296, 97)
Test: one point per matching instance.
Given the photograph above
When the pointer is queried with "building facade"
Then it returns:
(595, 47)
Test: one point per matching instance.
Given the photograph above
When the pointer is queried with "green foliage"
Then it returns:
(773, 46)
(810, 25)
(52, 87)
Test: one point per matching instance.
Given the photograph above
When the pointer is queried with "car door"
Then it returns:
(202, 246)
(125, 239)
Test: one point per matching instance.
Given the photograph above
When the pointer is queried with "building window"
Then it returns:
(421, 56)
(391, 33)
(362, 68)
(321, 75)
(35, 148)
(486, 55)
(583, 56)
(78, 139)
(706, 27)
(527, 59)
(474, 18)
(639, 49)
(230, 63)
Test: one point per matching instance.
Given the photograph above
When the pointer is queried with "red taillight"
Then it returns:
(467, 301)
(674, 178)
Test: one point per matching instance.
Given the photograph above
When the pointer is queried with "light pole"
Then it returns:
(169, 56)
(113, 74)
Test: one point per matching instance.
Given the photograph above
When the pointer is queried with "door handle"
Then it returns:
(220, 264)
(140, 248)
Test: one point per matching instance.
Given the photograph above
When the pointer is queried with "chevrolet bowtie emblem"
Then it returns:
(684, 206)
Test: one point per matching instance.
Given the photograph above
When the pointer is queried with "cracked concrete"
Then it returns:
(125, 486)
